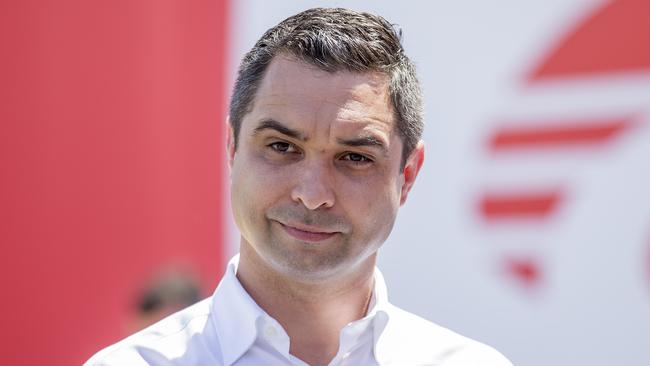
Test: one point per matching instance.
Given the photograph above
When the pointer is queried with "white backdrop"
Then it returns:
(529, 227)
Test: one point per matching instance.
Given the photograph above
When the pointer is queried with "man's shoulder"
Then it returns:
(408, 336)
(181, 335)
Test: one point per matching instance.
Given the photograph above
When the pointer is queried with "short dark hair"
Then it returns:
(335, 39)
(175, 290)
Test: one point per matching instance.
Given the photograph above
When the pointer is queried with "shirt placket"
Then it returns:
(274, 335)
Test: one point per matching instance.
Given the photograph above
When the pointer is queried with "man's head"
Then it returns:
(337, 40)
(321, 153)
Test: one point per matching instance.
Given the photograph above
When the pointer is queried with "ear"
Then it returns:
(230, 142)
(411, 170)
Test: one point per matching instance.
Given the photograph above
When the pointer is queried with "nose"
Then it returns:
(314, 187)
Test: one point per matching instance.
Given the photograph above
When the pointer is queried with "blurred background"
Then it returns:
(528, 229)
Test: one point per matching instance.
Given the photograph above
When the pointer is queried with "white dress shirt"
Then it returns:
(230, 329)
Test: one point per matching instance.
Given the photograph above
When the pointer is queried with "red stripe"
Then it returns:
(519, 205)
(613, 39)
(527, 271)
(556, 135)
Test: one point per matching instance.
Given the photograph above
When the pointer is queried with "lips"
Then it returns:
(308, 234)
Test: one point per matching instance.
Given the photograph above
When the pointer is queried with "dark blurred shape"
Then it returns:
(165, 295)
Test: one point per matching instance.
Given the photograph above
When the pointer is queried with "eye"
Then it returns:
(283, 147)
(356, 158)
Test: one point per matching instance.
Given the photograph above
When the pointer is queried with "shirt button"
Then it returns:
(346, 355)
(270, 332)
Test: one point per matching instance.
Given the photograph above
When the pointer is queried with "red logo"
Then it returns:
(586, 117)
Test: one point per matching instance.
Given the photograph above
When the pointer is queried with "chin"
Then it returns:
(310, 267)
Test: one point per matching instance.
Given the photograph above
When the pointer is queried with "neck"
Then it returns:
(312, 313)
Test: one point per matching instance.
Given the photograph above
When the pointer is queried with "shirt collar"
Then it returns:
(236, 315)
(381, 316)
(379, 310)
(379, 301)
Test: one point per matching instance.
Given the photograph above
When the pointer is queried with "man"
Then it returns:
(324, 146)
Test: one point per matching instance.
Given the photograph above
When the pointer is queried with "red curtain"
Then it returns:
(111, 150)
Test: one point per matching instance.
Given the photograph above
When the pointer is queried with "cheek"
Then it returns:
(372, 203)
(379, 189)
(254, 185)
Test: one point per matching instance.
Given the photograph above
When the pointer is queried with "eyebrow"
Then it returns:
(369, 140)
(270, 124)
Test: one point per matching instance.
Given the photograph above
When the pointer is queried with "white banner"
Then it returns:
(529, 227)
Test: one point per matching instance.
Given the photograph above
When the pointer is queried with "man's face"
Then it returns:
(316, 178)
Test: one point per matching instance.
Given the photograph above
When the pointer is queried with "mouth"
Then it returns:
(307, 234)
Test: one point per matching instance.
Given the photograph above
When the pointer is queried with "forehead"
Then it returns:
(293, 90)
